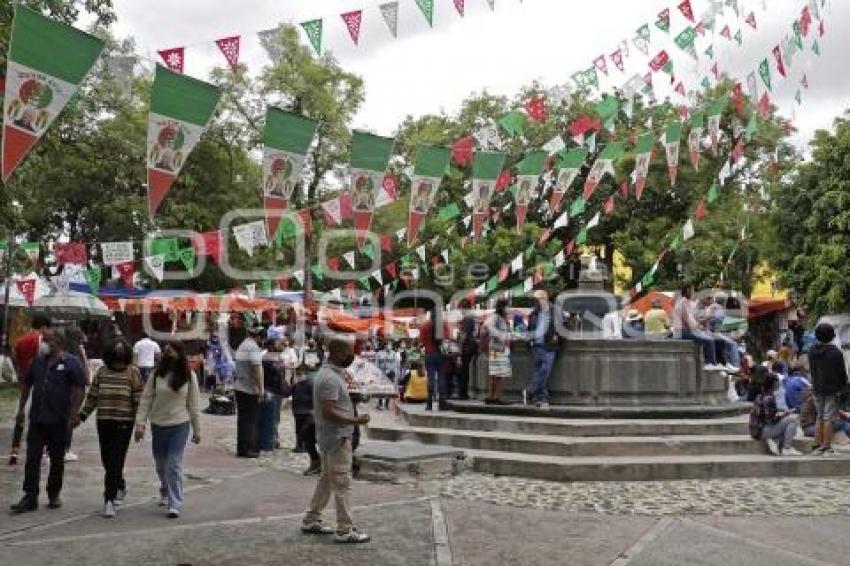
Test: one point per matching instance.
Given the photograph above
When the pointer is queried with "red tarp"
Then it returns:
(763, 307)
(645, 303)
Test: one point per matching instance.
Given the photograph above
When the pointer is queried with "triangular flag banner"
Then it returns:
(251, 236)
(700, 211)
(601, 65)
(643, 157)
(695, 137)
(27, 289)
(513, 122)
(714, 114)
(187, 258)
(624, 189)
(181, 107)
(764, 71)
(313, 29)
(113, 253)
(617, 59)
(536, 109)
(569, 166)
(581, 238)
(389, 10)
(562, 221)
(642, 39)
(685, 41)
(155, 265)
(555, 145)
(427, 7)
(286, 141)
(686, 9)
(271, 43)
(349, 259)
(168, 247)
(332, 211)
(47, 61)
(578, 207)
(594, 222)
(229, 47)
(352, 22)
(604, 165)
(751, 19)
(609, 206)
(33, 250)
(486, 168)
(299, 276)
(127, 271)
(459, 6)
(174, 58)
(713, 193)
(209, 245)
(70, 253)
(672, 141)
(428, 170)
(93, 278)
(420, 251)
(529, 170)
(688, 230)
(663, 22)
(780, 66)
(370, 155)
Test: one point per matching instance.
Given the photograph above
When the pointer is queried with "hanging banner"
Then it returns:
(181, 107)
(47, 61)
(389, 11)
(672, 142)
(27, 289)
(370, 155)
(427, 8)
(114, 253)
(643, 157)
(569, 166)
(430, 166)
(229, 47)
(250, 236)
(174, 58)
(604, 165)
(286, 140)
(714, 114)
(155, 265)
(352, 22)
(486, 167)
(313, 29)
(529, 170)
(695, 138)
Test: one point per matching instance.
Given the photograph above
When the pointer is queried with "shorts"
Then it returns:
(827, 407)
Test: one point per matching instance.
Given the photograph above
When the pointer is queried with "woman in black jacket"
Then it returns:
(829, 378)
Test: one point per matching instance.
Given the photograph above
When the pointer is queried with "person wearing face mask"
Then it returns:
(27, 347)
(171, 401)
(335, 422)
(115, 393)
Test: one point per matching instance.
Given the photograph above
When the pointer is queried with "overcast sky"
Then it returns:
(428, 70)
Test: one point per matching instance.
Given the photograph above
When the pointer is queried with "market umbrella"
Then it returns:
(72, 305)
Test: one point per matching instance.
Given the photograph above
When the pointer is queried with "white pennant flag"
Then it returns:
(466, 221)
(562, 221)
(414, 273)
(488, 137)
(333, 211)
(492, 4)
(299, 276)
(420, 251)
(250, 236)
(688, 230)
(116, 252)
(155, 265)
(401, 233)
(725, 172)
(251, 290)
(272, 42)
(594, 222)
(389, 11)
(349, 259)
(560, 258)
(469, 200)
(528, 284)
(516, 264)
(554, 145)
(445, 255)
(377, 275)
(560, 93)
(336, 293)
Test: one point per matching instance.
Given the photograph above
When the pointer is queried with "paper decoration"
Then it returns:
(601, 65)
(617, 59)
(250, 236)
(270, 40)
(430, 166)
(155, 265)
(389, 11)
(229, 47)
(604, 165)
(529, 170)
(114, 253)
(127, 272)
(70, 253)
(713, 193)
(624, 189)
(569, 166)
(488, 137)
(686, 9)
(209, 245)
(313, 29)
(672, 141)
(642, 38)
(555, 145)
(594, 222)
(516, 264)
(695, 138)
(352, 22)
(299, 276)
(187, 258)
(47, 61)
(420, 251)
(27, 289)
(661, 60)
(751, 19)
(578, 207)
(685, 41)
(663, 21)
(700, 211)
(427, 8)
(780, 66)
(486, 168)
(174, 58)
(180, 109)
(688, 230)
(714, 113)
(643, 157)
(609, 206)
(332, 212)
(462, 151)
(93, 277)
(459, 6)
(536, 109)
(370, 155)
(513, 123)
(764, 71)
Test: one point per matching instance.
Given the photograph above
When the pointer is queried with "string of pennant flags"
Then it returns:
(181, 107)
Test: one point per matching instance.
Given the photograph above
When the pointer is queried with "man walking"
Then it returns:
(544, 347)
(146, 354)
(829, 378)
(57, 382)
(335, 422)
(27, 347)
(249, 390)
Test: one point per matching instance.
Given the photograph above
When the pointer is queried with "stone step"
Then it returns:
(576, 447)
(633, 468)
(418, 417)
(604, 412)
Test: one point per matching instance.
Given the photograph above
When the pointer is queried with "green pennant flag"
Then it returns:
(578, 207)
(286, 229)
(532, 164)
(676, 243)
(427, 7)
(313, 28)
(368, 250)
(518, 290)
(32, 249)
(487, 165)
(187, 258)
(713, 193)
(752, 126)
(647, 280)
(706, 83)
(764, 71)
(513, 122)
(591, 77)
(449, 212)
(93, 278)
(581, 238)
(47, 61)
(607, 108)
(317, 271)
(663, 22)
(644, 32)
(492, 284)
(816, 47)
(739, 37)
(370, 155)
(265, 286)
(797, 36)
(529, 251)
(180, 109)
(798, 97)
(644, 143)
(573, 158)
(697, 120)
(364, 282)
(685, 40)
(710, 51)
(166, 247)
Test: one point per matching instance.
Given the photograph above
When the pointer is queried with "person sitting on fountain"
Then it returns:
(686, 327)
(768, 422)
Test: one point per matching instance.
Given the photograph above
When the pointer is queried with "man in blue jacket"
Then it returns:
(544, 347)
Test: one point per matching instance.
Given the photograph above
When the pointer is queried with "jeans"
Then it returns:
(305, 435)
(782, 431)
(336, 480)
(730, 350)
(17, 436)
(543, 361)
(247, 422)
(114, 439)
(706, 343)
(169, 443)
(54, 436)
(436, 376)
(145, 373)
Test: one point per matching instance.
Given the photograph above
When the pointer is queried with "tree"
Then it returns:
(810, 224)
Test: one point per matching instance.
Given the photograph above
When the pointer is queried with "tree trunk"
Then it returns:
(609, 264)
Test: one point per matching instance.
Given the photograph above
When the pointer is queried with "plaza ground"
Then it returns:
(248, 512)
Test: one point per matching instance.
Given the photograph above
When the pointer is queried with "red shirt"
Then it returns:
(26, 349)
(429, 345)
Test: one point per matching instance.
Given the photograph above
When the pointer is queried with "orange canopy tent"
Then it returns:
(645, 303)
(191, 303)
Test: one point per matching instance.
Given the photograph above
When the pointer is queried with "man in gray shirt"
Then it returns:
(335, 421)
(249, 391)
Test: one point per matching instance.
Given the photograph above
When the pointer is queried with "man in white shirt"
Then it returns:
(686, 327)
(146, 354)
(249, 390)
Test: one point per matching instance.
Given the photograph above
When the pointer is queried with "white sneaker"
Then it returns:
(108, 510)
(732, 369)
(351, 537)
(163, 501)
(711, 367)
(71, 457)
(791, 452)
(173, 513)
(773, 447)
(119, 498)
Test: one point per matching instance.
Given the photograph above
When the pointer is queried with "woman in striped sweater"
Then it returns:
(114, 394)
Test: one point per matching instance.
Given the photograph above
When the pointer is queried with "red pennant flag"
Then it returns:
(352, 21)
(738, 98)
(345, 210)
(700, 212)
(333, 263)
(764, 104)
(657, 63)
(27, 289)
(805, 21)
(624, 189)
(544, 237)
(504, 272)
(609, 205)
(392, 270)
(680, 88)
(700, 29)
(70, 253)
(386, 243)
(459, 6)
(726, 32)
(716, 70)
(536, 109)
(229, 47)
(209, 245)
(463, 150)
(617, 59)
(738, 150)
(173, 58)
(583, 125)
(504, 180)
(684, 113)
(780, 65)
(601, 64)
(126, 270)
(751, 19)
(390, 185)
(687, 11)
(570, 247)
